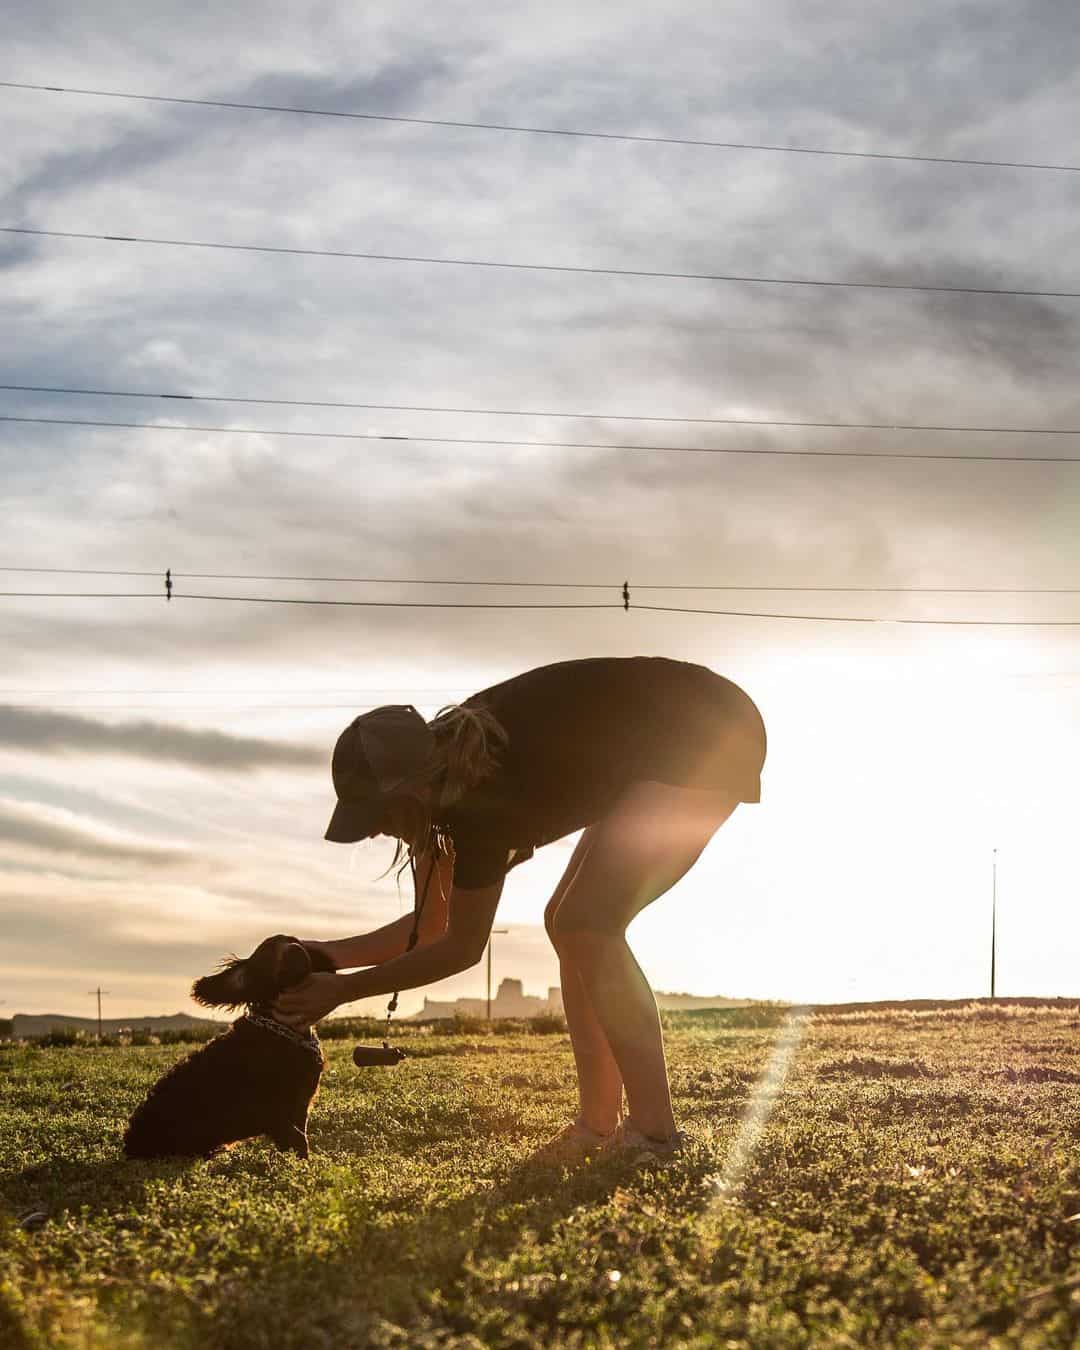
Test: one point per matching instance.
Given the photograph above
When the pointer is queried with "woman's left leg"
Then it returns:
(599, 1080)
(645, 844)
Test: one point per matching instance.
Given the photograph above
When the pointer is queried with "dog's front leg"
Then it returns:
(291, 1138)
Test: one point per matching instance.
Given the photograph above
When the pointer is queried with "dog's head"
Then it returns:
(274, 965)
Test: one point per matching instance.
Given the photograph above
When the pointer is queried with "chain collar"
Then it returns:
(310, 1042)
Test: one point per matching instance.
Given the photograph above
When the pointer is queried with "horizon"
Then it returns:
(914, 1004)
(204, 1016)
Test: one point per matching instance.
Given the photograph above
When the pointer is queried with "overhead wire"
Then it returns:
(402, 687)
(172, 706)
(469, 605)
(541, 412)
(748, 279)
(306, 600)
(541, 444)
(576, 445)
(554, 585)
(577, 133)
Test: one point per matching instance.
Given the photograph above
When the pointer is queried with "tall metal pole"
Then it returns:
(993, 932)
(493, 932)
(98, 991)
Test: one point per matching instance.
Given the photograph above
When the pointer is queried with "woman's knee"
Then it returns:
(573, 867)
(550, 911)
(569, 928)
(571, 940)
(581, 938)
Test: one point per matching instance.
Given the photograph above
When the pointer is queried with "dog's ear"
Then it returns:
(226, 989)
(295, 965)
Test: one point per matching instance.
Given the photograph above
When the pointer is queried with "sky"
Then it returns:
(164, 767)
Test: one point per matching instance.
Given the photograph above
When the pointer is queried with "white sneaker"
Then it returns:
(572, 1144)
(627, 1140)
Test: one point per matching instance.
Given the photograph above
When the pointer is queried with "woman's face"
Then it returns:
(400, 818)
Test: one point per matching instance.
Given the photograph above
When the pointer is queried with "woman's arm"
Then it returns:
(471, 914)
(383, 944)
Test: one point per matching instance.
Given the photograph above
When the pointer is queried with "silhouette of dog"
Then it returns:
(257, 1078)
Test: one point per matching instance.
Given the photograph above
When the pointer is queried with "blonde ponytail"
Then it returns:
(470, 742)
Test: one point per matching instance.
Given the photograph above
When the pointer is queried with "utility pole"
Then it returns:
(993, 931)
(98, 991)
(493, 932)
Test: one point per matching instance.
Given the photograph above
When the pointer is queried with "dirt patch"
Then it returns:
(875, 1068)
(1038, 1073)
(716, 1084)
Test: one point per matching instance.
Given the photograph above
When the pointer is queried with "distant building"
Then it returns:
(510, 1001)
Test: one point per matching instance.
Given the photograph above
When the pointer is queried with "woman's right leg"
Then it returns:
(600, 1084)
(648, 840)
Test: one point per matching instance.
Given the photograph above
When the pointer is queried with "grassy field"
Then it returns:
(881, 1178)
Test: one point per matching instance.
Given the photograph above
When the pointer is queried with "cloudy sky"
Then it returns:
(164, 778)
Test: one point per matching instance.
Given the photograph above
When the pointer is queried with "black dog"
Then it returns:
(259, 1077)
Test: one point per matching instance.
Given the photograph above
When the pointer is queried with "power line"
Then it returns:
(838, 618)
(176, 693)
(246, 706)
(612, 605)
(543, 131)
(366, 581)
(538, 267)
(191, 708)
(287, 600)
(560, 585)
(541, 444)
(538, 412)
(399, 689)
(92, 572)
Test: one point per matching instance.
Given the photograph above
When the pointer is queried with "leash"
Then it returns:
(365, 1056)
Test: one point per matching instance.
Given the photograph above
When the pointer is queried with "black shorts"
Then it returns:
(704, 732)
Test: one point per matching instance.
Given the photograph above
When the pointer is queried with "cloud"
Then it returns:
(148, 939)
(64, 733)
(54, 830)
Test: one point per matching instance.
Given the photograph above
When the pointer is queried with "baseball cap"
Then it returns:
(377, 753)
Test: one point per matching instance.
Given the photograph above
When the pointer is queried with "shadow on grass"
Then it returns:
(383, 1270)
(72, 1184)
(13, 1333)
(389, 1274)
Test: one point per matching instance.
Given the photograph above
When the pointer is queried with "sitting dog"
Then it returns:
(259, 1077)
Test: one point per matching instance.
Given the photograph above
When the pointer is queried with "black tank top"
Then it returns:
(579, 732)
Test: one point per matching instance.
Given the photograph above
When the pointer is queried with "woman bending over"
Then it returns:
(647, 756)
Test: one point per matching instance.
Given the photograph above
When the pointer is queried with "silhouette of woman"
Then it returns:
(648, 756)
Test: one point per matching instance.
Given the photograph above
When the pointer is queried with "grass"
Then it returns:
(917, 1183)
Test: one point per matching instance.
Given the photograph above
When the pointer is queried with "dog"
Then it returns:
(257, 1078)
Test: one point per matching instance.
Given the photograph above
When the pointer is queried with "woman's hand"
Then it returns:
(306, 1003)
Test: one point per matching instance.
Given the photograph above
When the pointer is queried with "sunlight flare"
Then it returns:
(761, 1103)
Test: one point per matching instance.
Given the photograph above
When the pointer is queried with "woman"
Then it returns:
(649, 755)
